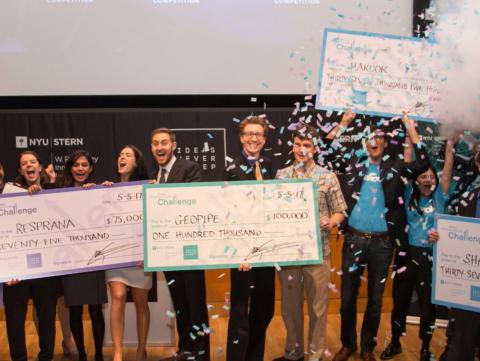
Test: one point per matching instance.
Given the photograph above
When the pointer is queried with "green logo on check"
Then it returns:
(190, 252)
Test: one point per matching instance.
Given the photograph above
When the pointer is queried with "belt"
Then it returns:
(356, 232)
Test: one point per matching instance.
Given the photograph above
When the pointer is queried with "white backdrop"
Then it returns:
(97, 47)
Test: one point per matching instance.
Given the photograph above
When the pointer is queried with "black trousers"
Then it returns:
(417, 276)
(358, 252)
(252, 305)
(44, 292)
(189, 300)
(465, 337)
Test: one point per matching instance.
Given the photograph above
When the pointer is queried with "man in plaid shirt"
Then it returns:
(313, 278)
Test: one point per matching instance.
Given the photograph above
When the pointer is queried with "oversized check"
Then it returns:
(378, 74)
(220, 225)
(456, 266)
(70, 230)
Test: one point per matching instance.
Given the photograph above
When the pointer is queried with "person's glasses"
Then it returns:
(253, 134)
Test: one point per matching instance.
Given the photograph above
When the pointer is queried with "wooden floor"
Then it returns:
(274, 342)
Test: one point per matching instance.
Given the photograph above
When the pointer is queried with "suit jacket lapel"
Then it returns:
(173, 177)
(242, 163)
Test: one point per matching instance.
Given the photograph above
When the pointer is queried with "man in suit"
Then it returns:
(187, 288)
(252, 291)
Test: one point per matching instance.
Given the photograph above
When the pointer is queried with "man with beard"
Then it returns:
(187, 288)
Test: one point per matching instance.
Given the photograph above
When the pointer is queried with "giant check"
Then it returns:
(456, 267)
(220, 225)
(70, 230)
(378, 74)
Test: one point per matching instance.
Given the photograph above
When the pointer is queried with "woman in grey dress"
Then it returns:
(130, 167)
(84, 288)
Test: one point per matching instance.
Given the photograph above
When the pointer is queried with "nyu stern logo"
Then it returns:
(23, 142)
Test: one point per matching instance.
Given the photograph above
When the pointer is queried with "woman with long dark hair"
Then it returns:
(423, 198)
(131, 166)
(84, 288)
(43, 291)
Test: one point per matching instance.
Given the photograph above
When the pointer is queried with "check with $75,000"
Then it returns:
(70, 230)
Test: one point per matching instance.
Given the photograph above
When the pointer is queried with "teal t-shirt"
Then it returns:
(368, 215)
(420, 225)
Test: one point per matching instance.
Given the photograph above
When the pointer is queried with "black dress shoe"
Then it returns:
(425, 355)
(180, 356)
(344, 354)
(391, 351)
(287, 359)
(367, 356)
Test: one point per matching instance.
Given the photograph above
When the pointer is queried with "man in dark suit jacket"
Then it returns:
(187, 288)
(252, 290)
(466, 326)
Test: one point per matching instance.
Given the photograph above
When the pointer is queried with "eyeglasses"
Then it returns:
(253, 134)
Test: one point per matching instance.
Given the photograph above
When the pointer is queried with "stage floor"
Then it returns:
(274, 343)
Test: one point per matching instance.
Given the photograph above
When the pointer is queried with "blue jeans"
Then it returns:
(360, 251)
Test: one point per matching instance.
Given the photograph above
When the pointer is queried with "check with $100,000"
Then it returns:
(223, 224)
(70, 230)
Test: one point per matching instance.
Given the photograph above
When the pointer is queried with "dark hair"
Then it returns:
(376, 129)
(170, 133)
(67, 178)
(253, 119)
(307, 132)
(20, 180)
(414, 202)
(140, 171)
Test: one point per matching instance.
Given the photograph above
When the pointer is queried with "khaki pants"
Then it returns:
(313, 281)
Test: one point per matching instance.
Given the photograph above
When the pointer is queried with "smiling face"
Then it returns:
(426, 182)
(30, 168)
(253, 139)
(375, 146)
(80, 171)
(126, 162)
(303, 150)
(162, 148)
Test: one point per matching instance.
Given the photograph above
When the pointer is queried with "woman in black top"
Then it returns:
(43, 291)
(84, 288)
